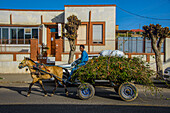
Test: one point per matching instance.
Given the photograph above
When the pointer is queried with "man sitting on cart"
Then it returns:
(84, 58)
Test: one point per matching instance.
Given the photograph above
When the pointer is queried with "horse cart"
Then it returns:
(127, 91)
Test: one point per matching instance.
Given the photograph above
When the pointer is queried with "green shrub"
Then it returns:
(115, 69)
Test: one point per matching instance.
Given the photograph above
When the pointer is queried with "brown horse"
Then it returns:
(38, 76)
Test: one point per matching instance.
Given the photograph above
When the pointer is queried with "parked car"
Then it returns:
(167, 74)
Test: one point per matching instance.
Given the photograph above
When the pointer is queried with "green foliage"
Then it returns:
(72, 26)
(155, 31)
(116, 69)
(157, 35)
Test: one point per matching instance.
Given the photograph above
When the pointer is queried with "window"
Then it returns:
(35, 33)
(27, 38)
(13, 36)
(95, 33)
(98, 33)
(5, 35)
(82, 34)
(27, 31)
(18, 35)
(53, 30)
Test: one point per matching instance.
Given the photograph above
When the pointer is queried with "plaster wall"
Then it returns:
(31, 17)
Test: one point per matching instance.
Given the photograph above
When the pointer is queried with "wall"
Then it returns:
(105, 14)
(167, 53)
(14, 47)
(30, 17)
(7, 65)
(11, 67)
(9, 57)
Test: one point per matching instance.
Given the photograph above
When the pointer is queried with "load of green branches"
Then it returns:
(115, 69)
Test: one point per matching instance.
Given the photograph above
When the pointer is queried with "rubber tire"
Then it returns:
(88, 87)
(124, 95)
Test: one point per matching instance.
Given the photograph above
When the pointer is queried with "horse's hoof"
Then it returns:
(67, 94)
(28, 95)
(45, 95)
(51, 95)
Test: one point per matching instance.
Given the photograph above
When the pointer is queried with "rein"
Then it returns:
(34, 67)
(39, 66)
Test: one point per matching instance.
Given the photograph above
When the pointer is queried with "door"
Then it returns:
(54, 43)
(53, 48)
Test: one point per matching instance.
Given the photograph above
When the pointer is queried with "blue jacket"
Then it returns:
(84, 57)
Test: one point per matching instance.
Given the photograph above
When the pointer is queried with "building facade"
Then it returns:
(97, 31)
(38, 33)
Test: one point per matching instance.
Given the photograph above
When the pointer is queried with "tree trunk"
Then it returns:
(158, 60)
(159, 67)
(72, 50)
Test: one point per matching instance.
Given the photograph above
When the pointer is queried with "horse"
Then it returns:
(38, 76)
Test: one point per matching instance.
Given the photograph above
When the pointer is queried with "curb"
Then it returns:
(160, 81)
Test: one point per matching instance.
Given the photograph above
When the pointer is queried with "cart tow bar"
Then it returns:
(36, 68)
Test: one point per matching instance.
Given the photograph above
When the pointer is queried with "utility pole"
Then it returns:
(139, 26)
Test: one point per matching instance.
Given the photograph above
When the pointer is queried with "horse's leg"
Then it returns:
(45, 92)
(66, 91)
(29, 91)
(33, 82)
(56, 85)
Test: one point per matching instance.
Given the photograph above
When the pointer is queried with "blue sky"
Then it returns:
(159, 9)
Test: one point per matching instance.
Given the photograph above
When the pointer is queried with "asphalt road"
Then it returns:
(13, 100)
(52, 108)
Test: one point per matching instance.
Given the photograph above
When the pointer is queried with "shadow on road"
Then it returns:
(36, 90)
(22, 90)
(104, 93)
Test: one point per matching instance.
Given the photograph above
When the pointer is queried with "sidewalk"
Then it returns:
(26, 78)
(15, 78)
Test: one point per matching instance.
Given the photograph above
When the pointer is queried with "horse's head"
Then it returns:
(23, 63)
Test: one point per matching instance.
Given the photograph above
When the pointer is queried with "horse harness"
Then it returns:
(37, 72)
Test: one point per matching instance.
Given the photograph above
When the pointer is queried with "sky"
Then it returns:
(130, 14)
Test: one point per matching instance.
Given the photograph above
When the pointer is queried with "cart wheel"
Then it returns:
(128, 91)
(85, 91)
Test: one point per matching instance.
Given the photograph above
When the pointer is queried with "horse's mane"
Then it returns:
(30, 59)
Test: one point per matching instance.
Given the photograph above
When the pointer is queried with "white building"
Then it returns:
(96, 32)
(17, 27)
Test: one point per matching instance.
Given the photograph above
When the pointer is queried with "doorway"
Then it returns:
(54, 42)
(54, 36)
